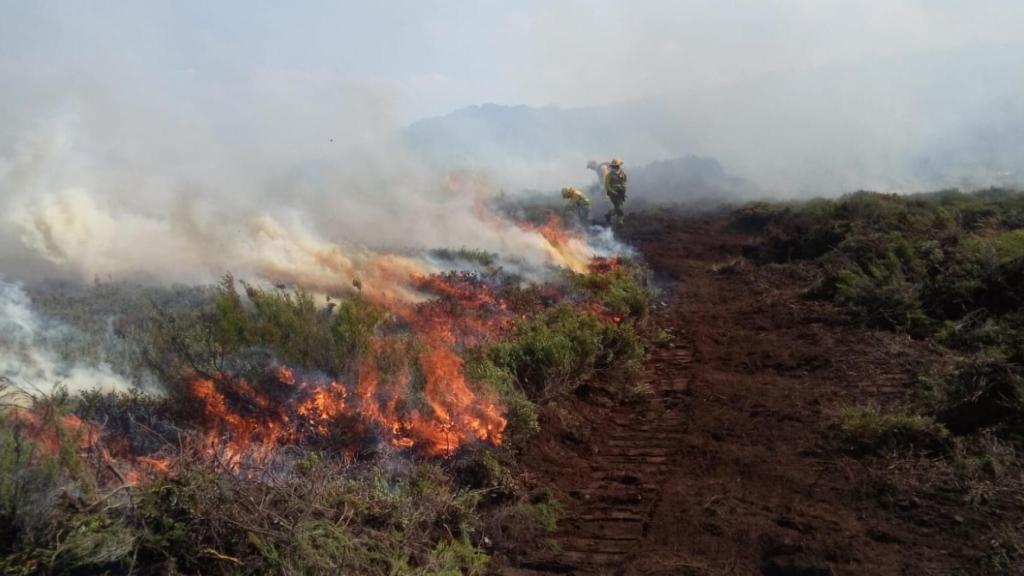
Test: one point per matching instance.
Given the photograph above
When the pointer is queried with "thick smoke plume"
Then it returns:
(328, 228)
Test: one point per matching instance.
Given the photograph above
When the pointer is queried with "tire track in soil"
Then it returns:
(601, 531)
(724, 466)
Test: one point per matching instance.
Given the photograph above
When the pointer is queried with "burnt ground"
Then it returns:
(720, 460)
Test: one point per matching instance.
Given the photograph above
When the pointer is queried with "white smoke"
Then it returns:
(140, 161)
(99, 219)
(30, 350)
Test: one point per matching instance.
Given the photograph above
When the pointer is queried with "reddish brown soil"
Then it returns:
(719, 461)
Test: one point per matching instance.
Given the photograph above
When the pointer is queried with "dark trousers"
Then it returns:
(617, 199)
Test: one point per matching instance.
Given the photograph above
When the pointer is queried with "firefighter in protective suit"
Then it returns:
(577, 206)
(615, 188)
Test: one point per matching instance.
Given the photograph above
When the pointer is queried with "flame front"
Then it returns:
(408, 388)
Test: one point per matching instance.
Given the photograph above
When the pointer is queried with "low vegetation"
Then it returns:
(947, 267)
(867, 429)
(314, 509)
(947, 271)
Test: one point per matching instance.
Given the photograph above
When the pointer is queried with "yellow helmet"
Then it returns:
(568, 192)
(616, 162)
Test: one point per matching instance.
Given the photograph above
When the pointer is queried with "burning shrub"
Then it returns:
(432, 376)
(290, 324)
(28, 485)
(480, 258)
(387, 518)
(278, 369)
(298, 431)
(43, 472)
(521, 413)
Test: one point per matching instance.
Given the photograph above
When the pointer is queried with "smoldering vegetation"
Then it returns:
(70, 336)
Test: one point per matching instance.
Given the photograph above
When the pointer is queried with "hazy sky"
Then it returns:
(173, 136)
(421, 58)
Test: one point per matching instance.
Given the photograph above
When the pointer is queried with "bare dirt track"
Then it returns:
(718, 461)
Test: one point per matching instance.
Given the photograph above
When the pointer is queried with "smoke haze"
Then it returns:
(174, 142)
(31, 350)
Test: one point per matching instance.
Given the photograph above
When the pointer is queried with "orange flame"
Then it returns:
(427, 404)
(409, 390)
(564, 247)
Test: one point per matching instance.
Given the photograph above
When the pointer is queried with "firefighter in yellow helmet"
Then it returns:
(577, 206)
(615, 188)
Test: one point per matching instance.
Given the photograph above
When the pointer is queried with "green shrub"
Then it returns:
(999, 248)
(28, 484)
(454, 557)
(529, 522)
(1003, 291)
(803, 237)
(290, 325)
(865, 429)
(757, 216)
(882, 295)
(480, 258)
(559, 349)
(549, 353)
(521, 413)
(981, 331)
(324, 520)
(984, 394)
(94, 543)
(354, 325)
(621, 290)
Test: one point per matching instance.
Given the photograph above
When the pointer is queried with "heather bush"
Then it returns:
(621, 290)
(866, 429)
(559, 349)
(986, 393)
(947, 266)
(68, 507)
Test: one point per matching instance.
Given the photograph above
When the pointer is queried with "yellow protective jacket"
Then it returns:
(615, 182)
(575, 198)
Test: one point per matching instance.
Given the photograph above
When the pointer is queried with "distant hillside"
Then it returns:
(544, 148)
(687, 179)
(481, 135)
(928, 121)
